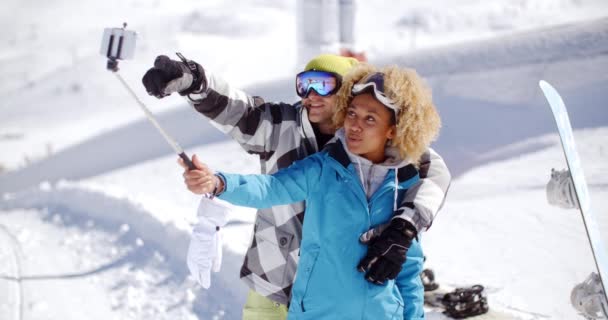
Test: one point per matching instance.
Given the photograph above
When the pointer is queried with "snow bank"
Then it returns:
(121, 214)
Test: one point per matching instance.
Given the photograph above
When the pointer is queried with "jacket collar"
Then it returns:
(335, 149)
(306, 130)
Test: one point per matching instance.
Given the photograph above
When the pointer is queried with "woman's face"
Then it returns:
(367, 126)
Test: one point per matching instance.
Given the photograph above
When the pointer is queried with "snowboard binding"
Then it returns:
(465, 302)
(560, 190)
(428, 280)
(588, 298)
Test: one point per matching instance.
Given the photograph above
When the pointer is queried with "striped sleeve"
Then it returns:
(252, 122)
(423, 200)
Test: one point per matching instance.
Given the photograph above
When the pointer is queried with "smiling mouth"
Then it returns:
(310, 106)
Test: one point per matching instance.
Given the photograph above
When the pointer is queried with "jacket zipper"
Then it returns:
(369, 181)
(382, 191)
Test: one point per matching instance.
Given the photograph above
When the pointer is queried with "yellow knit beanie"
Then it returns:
(331, 63)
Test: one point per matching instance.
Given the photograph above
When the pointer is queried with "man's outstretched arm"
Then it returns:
(249, 120)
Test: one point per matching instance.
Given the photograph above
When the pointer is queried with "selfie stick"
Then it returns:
(119, 44)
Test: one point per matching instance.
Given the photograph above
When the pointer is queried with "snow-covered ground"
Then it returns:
(106, 236)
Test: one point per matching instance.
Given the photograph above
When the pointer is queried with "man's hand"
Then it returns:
(387, 252)
(202, 180)
(168, 76)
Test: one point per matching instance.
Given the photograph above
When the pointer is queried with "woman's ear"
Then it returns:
(392, 131)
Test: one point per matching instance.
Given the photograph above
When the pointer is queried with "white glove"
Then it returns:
(560, 190)
(205, 249)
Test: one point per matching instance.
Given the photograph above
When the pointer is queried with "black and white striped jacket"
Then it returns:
(280, 134)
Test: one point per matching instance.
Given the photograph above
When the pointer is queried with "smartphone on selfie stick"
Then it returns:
(119, 44)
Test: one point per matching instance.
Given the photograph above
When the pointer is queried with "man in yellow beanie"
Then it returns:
(280, 134)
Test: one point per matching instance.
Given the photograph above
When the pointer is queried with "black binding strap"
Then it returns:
(465, 302)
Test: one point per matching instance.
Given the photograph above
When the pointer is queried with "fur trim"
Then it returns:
(418, 122)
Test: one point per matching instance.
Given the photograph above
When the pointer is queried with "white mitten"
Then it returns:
(205, 249)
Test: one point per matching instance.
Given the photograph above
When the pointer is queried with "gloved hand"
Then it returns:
(387, 251)
(205, 249)
(168, 76)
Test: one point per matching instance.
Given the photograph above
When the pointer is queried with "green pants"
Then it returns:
(259, 307)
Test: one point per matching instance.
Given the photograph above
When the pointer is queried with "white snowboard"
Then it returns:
(574, 164)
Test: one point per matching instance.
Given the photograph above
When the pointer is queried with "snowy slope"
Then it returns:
(499, 232)
(479, 80)
(492, 86)
(503, 234)
(147, 215)
(117, 231)
(64, 74)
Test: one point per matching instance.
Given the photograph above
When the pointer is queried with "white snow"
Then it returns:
(92, 200)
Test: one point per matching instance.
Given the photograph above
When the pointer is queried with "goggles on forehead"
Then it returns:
(374, 85)
(324, 83)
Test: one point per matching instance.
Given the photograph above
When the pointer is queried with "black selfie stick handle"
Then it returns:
(187, 161)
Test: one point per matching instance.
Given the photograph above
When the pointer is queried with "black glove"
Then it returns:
(168, 76)
(386, 253)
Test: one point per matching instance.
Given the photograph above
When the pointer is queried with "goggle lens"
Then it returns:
(322, 82)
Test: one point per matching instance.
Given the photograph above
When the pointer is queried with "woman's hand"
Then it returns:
(202, 180)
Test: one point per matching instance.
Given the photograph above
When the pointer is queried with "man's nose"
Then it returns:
(312, 94)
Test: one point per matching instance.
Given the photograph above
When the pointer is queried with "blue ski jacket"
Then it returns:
(328, 284)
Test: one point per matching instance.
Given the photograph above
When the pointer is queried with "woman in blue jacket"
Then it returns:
(387, 120)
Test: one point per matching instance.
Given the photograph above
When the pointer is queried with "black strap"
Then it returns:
(196, 74)
(465, 302)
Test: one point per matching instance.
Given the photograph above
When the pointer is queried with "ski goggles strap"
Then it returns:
(374, 84)
(324, 83)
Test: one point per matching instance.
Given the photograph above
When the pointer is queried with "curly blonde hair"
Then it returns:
(418, 121)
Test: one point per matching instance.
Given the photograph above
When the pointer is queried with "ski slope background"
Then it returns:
(95, 219)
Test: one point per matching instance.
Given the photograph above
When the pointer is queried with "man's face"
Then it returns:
(320, 109)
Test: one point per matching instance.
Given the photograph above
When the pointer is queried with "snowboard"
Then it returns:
(558, 108)
(434, 307)
(11, 304)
